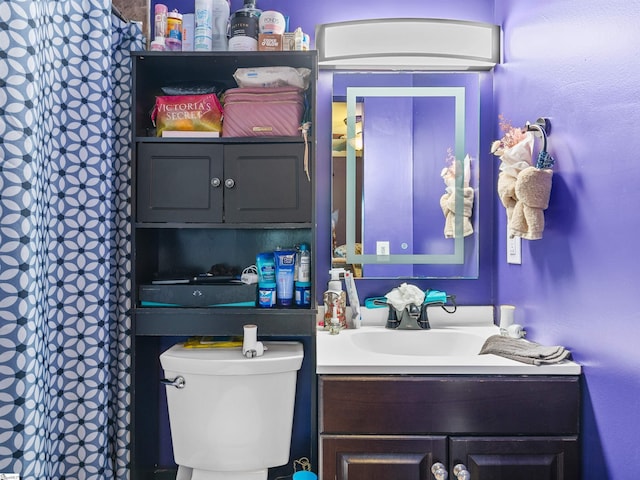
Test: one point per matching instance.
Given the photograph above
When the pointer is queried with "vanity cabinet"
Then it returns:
(213, 201)
(499, 427)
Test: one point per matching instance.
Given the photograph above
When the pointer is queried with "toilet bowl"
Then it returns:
(231, 417)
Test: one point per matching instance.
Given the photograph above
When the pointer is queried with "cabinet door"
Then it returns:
(266, 183)
(179, 182)
(521, 458)
(370, 457)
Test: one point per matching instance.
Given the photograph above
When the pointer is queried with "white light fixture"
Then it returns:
(408, 44)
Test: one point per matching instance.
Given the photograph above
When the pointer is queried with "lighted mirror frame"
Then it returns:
(458, 94)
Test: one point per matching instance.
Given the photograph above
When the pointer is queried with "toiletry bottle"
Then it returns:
(220, 22)
(244, 28)
(203, 34)
(303, 264)
(160, 22)
(335, 300)
(298, 38)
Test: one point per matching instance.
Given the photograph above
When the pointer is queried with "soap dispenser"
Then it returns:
(335, 301)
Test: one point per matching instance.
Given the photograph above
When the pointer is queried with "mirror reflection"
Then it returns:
(401, 145)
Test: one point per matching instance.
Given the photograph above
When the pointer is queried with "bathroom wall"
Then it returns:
(576, 62)
(307, 15)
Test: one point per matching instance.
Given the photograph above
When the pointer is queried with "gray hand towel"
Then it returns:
(524, 351)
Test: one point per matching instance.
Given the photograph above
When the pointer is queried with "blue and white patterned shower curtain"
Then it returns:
(64, 229)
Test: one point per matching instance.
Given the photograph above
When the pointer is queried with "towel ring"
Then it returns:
(541, 128)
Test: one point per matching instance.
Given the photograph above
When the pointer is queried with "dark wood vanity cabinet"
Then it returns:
(499, 427)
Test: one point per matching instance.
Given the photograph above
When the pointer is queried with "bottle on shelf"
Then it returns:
(220, 31)
(244, 28)
(303, 263)
(203, 32)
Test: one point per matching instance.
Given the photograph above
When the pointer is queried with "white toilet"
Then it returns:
(231, 417)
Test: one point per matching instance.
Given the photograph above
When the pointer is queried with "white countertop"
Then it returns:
(343, 353)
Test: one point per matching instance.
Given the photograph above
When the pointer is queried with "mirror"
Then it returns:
(394, 136)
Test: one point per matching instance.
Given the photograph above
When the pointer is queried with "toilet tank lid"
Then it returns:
(279, 357)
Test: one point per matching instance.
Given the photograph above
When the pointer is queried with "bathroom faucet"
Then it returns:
(411, 318)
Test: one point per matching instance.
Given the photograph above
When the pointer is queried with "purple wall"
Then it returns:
(576, 62)
(470, 292)
(307, 15)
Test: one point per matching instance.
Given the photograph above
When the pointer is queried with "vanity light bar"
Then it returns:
(408, 44)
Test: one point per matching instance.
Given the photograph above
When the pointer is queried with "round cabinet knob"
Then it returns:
(215, 182)
(229, 183)
(460, 472)
(439, 472)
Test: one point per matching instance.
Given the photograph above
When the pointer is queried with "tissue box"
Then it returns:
(269, 42)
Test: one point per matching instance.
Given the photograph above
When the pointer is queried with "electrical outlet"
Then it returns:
(514, 250)
(382, 248)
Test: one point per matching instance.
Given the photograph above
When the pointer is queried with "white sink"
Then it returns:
(441, 342)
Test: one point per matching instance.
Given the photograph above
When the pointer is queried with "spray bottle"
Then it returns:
(335, 303)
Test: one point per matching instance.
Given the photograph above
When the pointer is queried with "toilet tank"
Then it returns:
(233, 413)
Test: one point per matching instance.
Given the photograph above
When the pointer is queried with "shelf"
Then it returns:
(228, 226)
(224, 140)
(223, 321)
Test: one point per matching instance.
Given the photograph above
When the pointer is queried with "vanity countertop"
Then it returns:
(449, 348)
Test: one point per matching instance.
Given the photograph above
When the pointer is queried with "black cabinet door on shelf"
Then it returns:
(178, 182)
(213, 183)
(266, 184)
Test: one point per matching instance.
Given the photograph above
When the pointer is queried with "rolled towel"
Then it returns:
(507, 193)
(448, 206)
(524, 351)
(533, 189)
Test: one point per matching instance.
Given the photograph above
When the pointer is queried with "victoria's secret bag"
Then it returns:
(263, 111)
(191, 113)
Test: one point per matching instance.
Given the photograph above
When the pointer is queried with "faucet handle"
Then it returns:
(392, 318)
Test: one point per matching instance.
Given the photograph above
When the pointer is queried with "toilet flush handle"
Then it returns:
(177, 382)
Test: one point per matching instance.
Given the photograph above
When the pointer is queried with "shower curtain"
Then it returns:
(64, 228)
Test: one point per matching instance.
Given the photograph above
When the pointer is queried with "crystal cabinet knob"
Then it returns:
(215, 182)
(229, 183)
(439, 472)
(460, 472)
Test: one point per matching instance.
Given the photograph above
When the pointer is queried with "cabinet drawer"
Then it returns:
(491, 405)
